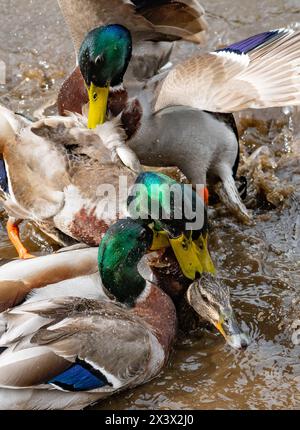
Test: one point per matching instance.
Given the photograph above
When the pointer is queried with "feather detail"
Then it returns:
(163, 20)
(79, 378)
(28, 367)
(229, 81)
(18, 278)
(253, 42)
(48, 337)
(56, 171)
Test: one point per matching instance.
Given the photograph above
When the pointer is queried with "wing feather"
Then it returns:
(164, 20)
(29, 367)
(18, 278)
(58, 333)
(268, 75)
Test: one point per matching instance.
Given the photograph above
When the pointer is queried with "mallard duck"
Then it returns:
(53, 172)
(153, 27)
(182, 117)
(74, 182)
(79, 337)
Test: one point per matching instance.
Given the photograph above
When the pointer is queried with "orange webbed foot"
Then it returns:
(26, 255)
(14, 236)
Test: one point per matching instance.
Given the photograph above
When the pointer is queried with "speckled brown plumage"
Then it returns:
(73, 94)
(131, 118)
(87, 227)
(117, 101)
(170, 279)
(59, 172)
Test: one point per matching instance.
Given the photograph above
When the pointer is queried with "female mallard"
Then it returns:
(79, 338)
(174, 118)
(74, 183)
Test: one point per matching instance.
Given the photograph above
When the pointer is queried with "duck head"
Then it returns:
(177, 216)
(120, 251)
(103, 60)
(210, 298)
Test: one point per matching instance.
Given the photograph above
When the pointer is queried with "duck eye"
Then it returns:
(142, 235)
(95, 96)
(205, 299)
(99, 59)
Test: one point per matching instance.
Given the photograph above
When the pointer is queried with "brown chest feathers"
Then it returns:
(87, 228)
(159, 312)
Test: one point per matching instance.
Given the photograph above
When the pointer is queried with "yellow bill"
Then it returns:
(98, 98)
(193, 256)
(219, 327)
(208, 265)
(188, 255)
(160, 240)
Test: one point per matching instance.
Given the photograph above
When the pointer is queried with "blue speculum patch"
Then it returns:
(251, 43)
(3, 177)
(79, 378)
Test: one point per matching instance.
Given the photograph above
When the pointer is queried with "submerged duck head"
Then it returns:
(103, 60)
(210, 298)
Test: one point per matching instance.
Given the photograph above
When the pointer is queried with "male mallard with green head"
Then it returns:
(58, 174)
(79, 337)
(181, 117)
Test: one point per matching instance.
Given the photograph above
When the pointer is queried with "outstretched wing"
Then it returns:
(74, 344)
(259, 72)
(147, 20)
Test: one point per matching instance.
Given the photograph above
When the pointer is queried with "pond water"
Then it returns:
(260, 263)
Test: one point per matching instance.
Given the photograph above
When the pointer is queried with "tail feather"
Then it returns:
(156, 20)
(173, 20)
(229, 195)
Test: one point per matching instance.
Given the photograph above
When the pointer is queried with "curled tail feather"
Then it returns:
(229, 195)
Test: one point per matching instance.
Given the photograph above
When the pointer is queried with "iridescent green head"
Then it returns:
(120, 251)
(173, 209)
(104, 55)
(103, 60)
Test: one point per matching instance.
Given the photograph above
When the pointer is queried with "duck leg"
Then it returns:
(13, 232)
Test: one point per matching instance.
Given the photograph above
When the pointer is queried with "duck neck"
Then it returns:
(157, 309)
(120, 251)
